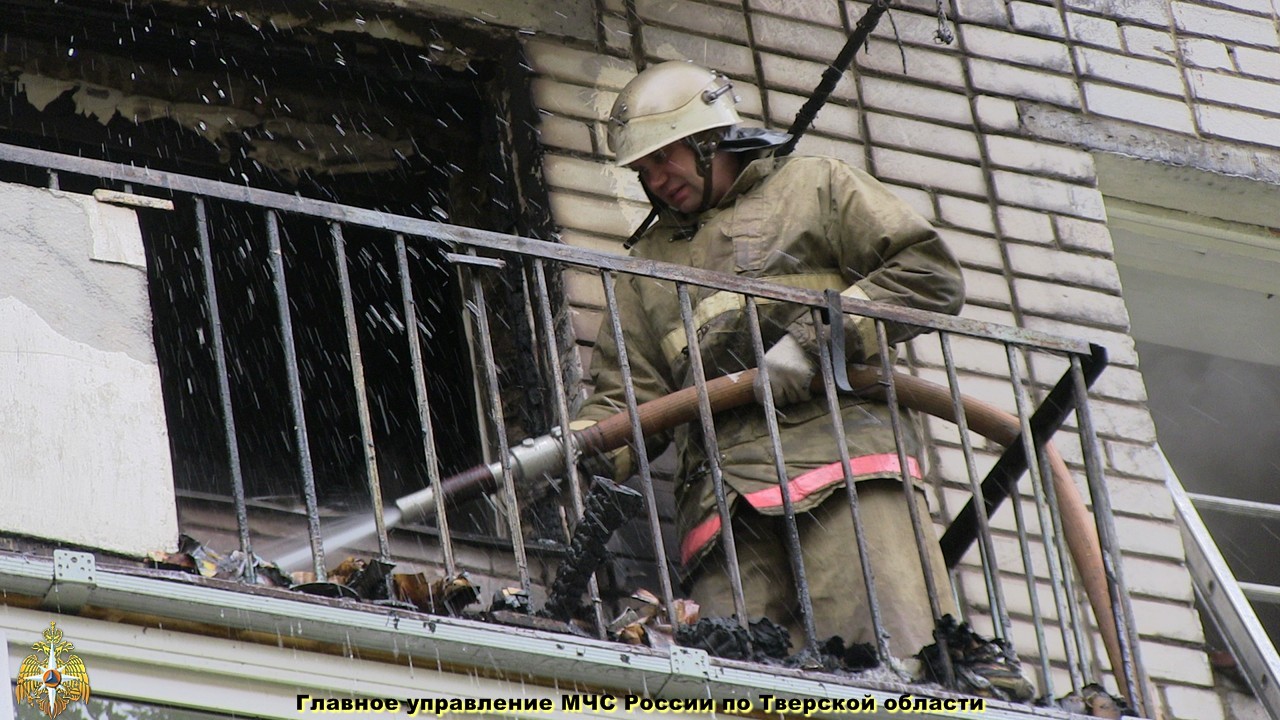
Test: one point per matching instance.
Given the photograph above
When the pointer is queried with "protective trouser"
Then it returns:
(834, 571)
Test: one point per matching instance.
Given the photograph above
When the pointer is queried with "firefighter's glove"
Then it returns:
(791, 370)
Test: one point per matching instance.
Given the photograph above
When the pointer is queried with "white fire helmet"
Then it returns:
(665, 103)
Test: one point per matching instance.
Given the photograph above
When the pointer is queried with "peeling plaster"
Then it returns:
(50, 240)
(290, 145)
(82, 401)
(573, 18)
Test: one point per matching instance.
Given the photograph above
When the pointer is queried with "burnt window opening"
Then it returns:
(424, 131)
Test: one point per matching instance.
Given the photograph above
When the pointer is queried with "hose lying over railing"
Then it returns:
(545, 456)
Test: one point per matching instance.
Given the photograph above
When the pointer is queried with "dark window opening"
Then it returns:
(339, 116)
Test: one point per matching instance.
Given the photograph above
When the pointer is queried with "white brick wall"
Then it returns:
(998, 78)
(1042, 193)
(1039, 158)
(1076, 234)
(1016, 47)
(1139, 107)
(1022, 212)
(1148, 42)
(1091, 30)
(1193, 704)
(1029, 225)
(948, 107)
(1206, 53)
(1230, 90)
(919, 136)
(995, 113)
(1056, 265)
(1037, 19)
(1195, 19)
(929, 172)
(1117, 69)
(701, 18)
(1154, 12)
(1253, 61)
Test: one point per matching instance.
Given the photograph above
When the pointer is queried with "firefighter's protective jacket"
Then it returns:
(806, 222)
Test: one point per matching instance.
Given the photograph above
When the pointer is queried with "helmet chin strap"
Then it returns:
(704, 153)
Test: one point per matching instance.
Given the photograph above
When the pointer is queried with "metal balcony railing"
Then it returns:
(1043, 554)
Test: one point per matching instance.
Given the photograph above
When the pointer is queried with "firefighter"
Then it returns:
(725, 203)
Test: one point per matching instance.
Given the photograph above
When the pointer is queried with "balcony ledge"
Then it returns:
(71, 581)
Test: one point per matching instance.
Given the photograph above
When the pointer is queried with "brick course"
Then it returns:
(995, 113)
(696, 17)
(1252, 61)
(1229, 89)
(1193, 704)
(1017, 48)
(923, 137)
(927, 171)
(1206, 54)
(1040, 158)
(1238, 125)
(968, 214)
(1138, 107)
(948, 107)
(1047, 194)
(986, 12)
(1029, 225)
(1034, 261)
(1192, 19)
(794, 38)
(1118, 69)
(1153, 12)
(1148, 42)
(1037, 19)
(1091, 30)
(1076, 304)
(998, 78)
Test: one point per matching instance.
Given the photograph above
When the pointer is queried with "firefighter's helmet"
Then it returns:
(665, 103)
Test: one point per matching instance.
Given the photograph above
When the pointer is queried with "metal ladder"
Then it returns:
(1226, 599)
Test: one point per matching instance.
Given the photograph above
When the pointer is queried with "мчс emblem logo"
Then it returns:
(52, 677)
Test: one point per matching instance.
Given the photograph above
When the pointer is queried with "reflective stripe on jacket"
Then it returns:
(699, 538)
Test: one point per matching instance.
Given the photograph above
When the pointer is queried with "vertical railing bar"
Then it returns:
(864, 555)
(1072, 595)
(53, 179)
(1112, 558)
(1052, 558)
(784, 483)
(530, 321)
(641, 448)
(909, 490)
(504, 450)
(224, 389)
(295, 395)
(986, 548)
(361, 391)
(712, 448)
(562, 417)
(1037, 622)
(423, 403)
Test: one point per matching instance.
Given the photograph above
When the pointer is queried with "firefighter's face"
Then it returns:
(671, 174)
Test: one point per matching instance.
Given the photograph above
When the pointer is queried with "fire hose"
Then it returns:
(544, 456)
